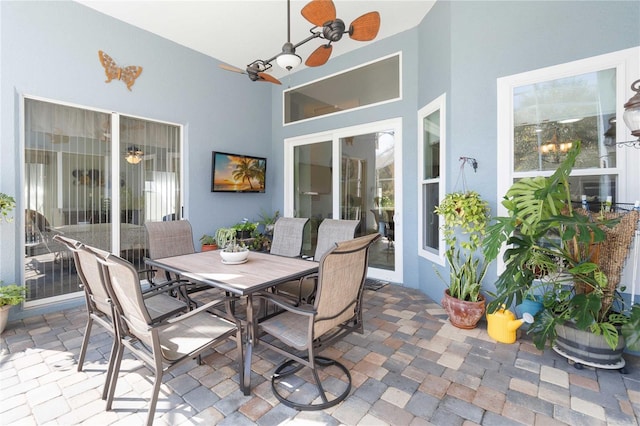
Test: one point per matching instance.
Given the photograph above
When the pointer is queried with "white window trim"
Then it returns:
(399, 98)
(627, 65)
(440, 103)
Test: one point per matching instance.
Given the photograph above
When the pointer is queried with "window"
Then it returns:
(366, 85)
(431, 156)
(543, 112)
(553, 107)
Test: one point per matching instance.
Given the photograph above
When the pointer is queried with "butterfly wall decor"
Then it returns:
(127, 74)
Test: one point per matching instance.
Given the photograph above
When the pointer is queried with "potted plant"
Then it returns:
(554, 251)
(268, 221)
(7, 204)
(234, 253)
(208, 242)
(466, 217)
(10, 295)
(224, 236)
(245, 229)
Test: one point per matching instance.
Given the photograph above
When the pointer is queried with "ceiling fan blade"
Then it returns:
(268, 78)
(319, 11)
(366, 27)
(320, 56)
(231, 68)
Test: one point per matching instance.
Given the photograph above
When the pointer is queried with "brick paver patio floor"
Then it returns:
(411, 367)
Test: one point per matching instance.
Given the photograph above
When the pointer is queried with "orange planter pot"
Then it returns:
(463, 314)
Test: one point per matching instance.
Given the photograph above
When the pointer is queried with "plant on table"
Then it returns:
(224, 236)
(545, 236)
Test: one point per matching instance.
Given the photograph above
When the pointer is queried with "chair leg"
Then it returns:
(291, 367)
(85, 343)
(112, 358)
(114, 374)
(155, 392)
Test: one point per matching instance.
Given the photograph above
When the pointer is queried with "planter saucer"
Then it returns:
(240, 262)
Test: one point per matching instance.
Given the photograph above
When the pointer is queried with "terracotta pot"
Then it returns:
(209, 247)
(4, 316)
(463, 314)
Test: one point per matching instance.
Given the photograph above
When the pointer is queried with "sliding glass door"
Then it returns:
(350, 174)
(96, 177)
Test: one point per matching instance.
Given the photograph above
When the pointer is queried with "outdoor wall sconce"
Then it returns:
(632, 115)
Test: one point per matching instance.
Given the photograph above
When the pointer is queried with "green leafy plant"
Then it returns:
(546, 237)
(208, 240)
(7, 204)
(11, 294)
(246, 227)
(466, 217)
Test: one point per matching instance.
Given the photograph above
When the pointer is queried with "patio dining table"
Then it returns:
(260, 272)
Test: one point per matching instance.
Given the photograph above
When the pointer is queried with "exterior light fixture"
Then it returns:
(632, 113)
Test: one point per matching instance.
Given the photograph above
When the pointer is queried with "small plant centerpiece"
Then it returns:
(234, 253)
(224, 236)
(466, 217)
(563, 255)
(208, 242)
(10, 295)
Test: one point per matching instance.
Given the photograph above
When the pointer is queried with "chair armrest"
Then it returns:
(198, 310)
(163, 288)
(286, 304)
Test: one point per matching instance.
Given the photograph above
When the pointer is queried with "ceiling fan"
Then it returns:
(322, 14)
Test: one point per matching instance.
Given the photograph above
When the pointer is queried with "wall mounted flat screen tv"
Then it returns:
(238, 173)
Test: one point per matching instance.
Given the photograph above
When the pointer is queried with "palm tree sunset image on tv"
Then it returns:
(238, 173)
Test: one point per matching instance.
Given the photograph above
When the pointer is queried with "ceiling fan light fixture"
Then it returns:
(134, 155)
(288, 58)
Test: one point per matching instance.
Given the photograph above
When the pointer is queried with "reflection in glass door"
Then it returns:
(365, 188)
(95, 177)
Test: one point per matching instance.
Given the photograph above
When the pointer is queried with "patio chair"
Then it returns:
(287, 236)
(39, 235)
(167, 239)
(161, 345)
(336, 312)
(330, 232)
(99, 304)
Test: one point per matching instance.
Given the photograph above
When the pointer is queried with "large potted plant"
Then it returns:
(466, 217)
(556, 251)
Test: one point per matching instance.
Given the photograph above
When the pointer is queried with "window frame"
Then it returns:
(625, 63)
(438, 104)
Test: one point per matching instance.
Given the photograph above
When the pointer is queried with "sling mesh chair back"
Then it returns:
(336, 312)
(287, 236)
(163, 344)
(330, 232)
(167, 239)
(100, 307)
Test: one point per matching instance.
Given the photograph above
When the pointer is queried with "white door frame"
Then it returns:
(334, 135)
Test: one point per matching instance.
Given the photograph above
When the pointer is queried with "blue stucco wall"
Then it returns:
(50, 50)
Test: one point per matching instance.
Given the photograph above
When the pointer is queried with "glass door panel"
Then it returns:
(313, 198)
(367, 188)
(73, 188)
(66, 192)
